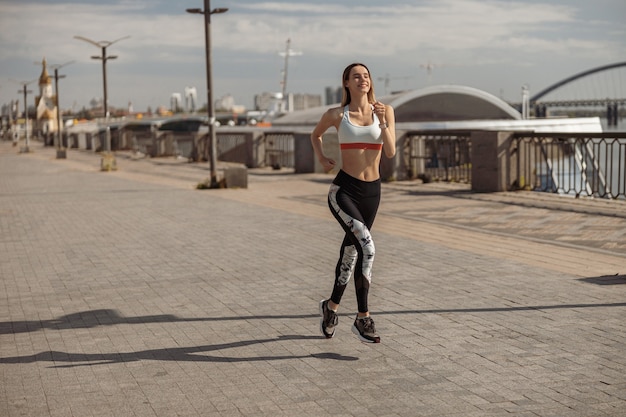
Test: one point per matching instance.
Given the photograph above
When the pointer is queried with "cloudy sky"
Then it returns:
(493, 45)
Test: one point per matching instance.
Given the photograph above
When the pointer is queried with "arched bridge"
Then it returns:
(601, 87)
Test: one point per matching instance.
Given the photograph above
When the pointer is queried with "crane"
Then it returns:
(429, 67)
(387, 79)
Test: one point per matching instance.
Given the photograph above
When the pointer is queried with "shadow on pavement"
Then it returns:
(107, 317)
(183, 354)
(110, 317)
(606, 280)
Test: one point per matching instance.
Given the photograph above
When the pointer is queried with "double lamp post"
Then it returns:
(59, 137)
(207, 12)
(103, 45)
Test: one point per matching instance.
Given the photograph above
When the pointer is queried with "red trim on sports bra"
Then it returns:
(361, 145)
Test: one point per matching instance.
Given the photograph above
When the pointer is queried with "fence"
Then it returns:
(279, 150)
(568, 163)
(232, 147)
(438, 156)
(251, 147)
(577, 164)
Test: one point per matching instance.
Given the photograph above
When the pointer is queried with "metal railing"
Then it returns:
(232, 147)
(592, 165)
(580, 164)
(279, 150)
(439, 156)
(252, 147)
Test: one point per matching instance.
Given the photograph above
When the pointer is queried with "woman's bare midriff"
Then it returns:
(361, 163)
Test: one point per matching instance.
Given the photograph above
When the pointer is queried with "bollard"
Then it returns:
(108, 162)
(236, 177)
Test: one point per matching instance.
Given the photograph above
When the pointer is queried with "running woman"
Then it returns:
(365, 127)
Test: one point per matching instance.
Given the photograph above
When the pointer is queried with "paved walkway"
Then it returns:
(130, 293)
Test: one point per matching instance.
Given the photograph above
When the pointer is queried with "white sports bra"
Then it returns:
(358, 137)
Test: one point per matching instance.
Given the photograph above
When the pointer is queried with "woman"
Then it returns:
(365, 127)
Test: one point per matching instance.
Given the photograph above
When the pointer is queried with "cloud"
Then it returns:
(448, 25)
(395, 36)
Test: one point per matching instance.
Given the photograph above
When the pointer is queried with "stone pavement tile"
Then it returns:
(125, 296)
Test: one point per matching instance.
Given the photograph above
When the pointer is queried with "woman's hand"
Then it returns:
(327, 163)
(379, 109)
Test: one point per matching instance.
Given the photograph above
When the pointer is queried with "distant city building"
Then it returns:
(46, 103)
(238, 109)
(304, 101)
(97, 107)
(225, 103)
(333, 95)
(266, 101)
(191, 99)
(274, 102)
(6, 113)
(176, 102)
(96, 103)
(162, 111)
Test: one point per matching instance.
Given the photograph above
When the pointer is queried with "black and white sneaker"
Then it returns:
(328, 320)
(365, 330)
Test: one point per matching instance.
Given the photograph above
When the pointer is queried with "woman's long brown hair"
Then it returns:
(345, 97)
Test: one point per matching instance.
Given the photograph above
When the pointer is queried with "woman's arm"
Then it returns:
(389, 133)
(328, 120)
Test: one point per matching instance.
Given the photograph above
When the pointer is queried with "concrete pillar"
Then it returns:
(303, 155)
(255, 143)
(491, 169)
(395, 169)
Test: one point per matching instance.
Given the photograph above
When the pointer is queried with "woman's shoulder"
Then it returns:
(334, 113)
(335, 110)
(331, 117)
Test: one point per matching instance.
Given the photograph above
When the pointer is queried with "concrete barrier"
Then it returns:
(236, 177)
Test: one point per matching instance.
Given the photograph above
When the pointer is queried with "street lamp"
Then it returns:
(288, 52)
(207, 12)
(26, 148)
(60, 154)
(104, 58)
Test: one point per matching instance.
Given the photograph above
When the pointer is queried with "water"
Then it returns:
(604, 173)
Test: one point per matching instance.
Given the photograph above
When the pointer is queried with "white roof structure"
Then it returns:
(454, 107)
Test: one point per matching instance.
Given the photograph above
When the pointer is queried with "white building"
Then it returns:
(175, 102)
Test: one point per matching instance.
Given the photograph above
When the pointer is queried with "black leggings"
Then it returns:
(354, 204)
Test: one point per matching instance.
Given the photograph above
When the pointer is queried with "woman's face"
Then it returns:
(358, 80)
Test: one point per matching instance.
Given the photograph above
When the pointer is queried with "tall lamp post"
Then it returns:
(103, 45)
(60, 153)
(288, 52)
(207, 12)
(26, 148)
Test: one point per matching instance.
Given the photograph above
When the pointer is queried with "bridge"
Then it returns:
(598, 88)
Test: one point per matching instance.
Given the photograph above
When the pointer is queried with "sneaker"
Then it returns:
(328, 321)
(365, 330)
